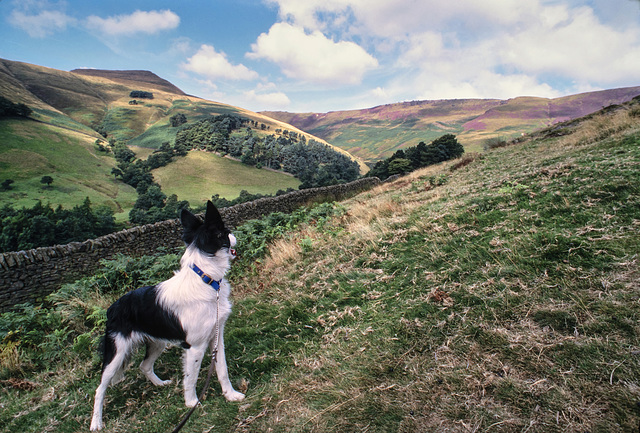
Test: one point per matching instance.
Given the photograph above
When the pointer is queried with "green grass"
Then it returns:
(162, 131)
(153, 137)
(502, 297)
(200, 175)
(500, 301)
(31, 150)
(371, 142)
(62, 121)
(123, 123)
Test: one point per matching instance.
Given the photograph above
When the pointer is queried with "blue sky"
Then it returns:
(324, 55)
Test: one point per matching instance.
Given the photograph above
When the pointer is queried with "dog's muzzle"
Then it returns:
(232, 242)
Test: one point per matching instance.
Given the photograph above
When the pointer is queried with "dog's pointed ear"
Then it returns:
(189, 220)
(190, 223)
(213, 217)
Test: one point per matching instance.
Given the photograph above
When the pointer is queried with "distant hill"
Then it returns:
(92, 100)
(377, 132)
(132, 78)
(75, 110)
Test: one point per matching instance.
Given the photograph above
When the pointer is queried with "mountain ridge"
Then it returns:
(360, 131)
(86, 96)
(131, 76)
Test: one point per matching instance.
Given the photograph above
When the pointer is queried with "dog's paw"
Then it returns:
(159, 382)
(95, 425)
(191, 402)
(234, 396)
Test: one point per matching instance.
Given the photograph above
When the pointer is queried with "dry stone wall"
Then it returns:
(29, 276)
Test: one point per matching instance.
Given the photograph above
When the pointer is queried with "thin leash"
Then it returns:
(214, 352)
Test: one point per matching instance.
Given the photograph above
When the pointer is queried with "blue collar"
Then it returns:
(206, 278)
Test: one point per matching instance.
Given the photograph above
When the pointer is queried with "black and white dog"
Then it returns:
(182, 310)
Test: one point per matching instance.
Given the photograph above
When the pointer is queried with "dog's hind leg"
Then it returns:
(192, 360)
(154, 350)
(115, 356)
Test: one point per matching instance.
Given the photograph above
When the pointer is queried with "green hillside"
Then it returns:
(162, 131)
(496, 293)
(71, 110)
(30, 150)
(200, 175)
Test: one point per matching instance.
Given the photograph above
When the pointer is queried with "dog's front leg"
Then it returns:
(222, 372)
(192, 360)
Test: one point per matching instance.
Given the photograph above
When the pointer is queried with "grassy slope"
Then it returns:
(502, 296)
(31, 150)
(504, 300)
(200, 175)
(195, 109)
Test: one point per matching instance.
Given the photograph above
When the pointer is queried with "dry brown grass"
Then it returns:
(283, 251)
(597, 128)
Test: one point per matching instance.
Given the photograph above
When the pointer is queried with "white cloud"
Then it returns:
(209, 90)
(214, 65)
(396, 18)
(435, 67)
(41, 24)
(267, 101)
(149, 22)
(575, 44)
(312, 56)
(493, 48)
(379, 92)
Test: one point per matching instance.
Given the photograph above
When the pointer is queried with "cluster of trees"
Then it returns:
(152, 204)
(404, 161)
(256, 124)
(10, 109)
(6, 184)
(141, 94)
(205, 134)
(137, 172)
(178, 119)
(314, 163)
(42, 226)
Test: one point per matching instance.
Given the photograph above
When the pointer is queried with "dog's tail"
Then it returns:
(107, 348)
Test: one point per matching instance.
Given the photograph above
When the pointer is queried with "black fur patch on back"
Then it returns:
(139, 311)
